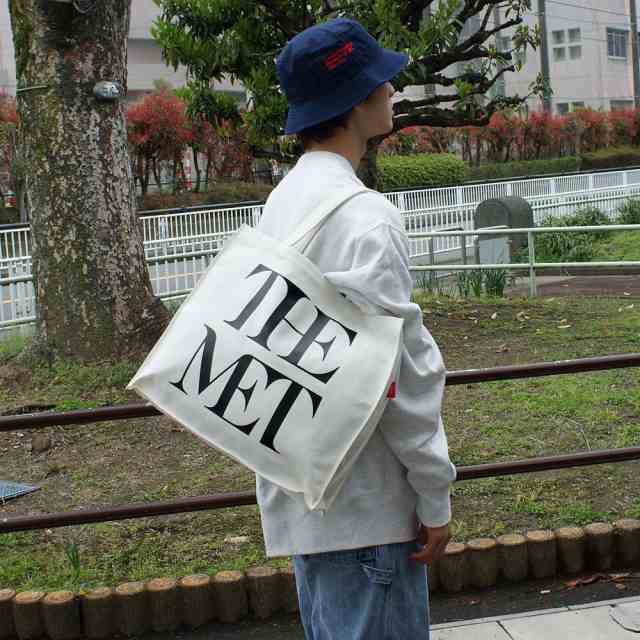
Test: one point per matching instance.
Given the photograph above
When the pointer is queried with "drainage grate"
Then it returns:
(9, 490)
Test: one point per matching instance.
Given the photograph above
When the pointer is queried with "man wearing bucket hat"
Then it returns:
(360, 565)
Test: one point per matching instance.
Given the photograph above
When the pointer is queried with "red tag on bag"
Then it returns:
(392, 391)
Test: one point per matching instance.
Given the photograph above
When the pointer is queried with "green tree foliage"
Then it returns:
(242, 38)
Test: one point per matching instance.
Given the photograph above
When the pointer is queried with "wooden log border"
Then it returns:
(261, 592)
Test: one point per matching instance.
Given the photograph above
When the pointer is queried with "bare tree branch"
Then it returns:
(467, 50)
(434, 117)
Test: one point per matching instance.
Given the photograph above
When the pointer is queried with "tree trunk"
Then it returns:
(146, 175)
(368, 169)
(196, 166)
(207, 172)
(93, 290)
(156, 175)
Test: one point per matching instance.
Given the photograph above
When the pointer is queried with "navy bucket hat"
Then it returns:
(330, 68)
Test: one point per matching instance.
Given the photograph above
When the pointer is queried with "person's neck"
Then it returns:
(344, 144)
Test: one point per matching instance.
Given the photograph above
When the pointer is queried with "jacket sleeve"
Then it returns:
(379, 281)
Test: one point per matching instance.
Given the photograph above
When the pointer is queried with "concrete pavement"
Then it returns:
(606, 620)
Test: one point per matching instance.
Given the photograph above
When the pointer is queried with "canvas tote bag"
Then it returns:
(268, 362)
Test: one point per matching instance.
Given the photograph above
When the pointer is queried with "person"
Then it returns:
(360, 565)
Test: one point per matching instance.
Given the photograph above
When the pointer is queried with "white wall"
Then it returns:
(595, 78)
(7, 64)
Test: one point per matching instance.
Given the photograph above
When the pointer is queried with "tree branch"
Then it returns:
(281, 18)
(271, 154)
(467, 50)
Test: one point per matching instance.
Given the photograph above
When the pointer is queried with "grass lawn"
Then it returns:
(622, 245)
(152, 459)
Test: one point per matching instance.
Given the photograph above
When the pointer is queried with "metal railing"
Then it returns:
(531, 265)
(179, 245)
(202, 503)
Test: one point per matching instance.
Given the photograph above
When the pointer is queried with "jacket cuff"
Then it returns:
(434, 511)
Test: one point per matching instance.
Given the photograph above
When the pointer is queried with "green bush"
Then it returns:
(629, 212)
(571, 247)
(611, 158)
(522, 169)
(9, 216)
(406, 172)
(220, 193)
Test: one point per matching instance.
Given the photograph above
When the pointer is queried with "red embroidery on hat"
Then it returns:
(339, 56)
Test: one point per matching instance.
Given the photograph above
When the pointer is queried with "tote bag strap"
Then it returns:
(312, 223)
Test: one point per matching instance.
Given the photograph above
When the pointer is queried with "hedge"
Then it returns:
(611, 158)
(221, 193)
(404, 172)
(523, 168)
(9, 216)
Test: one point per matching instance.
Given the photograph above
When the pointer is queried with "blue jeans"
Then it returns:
(374, 593)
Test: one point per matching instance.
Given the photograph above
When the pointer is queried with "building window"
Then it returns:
(617, 43)
(621, 105)
(575, 52)
(504, 43)
(557, 37)
(577, 105)
(559, 54)
(575, 35)
(563, 108)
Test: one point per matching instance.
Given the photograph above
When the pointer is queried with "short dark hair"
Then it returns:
(324, 130)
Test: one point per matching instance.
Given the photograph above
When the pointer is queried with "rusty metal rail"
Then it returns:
(202, 503)
(468, 376)
(224, 500)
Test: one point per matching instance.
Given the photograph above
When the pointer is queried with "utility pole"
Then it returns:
(634, 52)
(544, 53)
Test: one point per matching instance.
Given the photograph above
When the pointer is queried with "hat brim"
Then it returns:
(308, 114)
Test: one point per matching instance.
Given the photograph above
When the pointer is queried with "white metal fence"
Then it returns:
(531, 264)
(179, 246)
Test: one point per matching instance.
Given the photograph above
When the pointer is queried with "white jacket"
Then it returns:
(404, 471)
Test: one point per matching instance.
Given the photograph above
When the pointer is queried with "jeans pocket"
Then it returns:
(378, 576)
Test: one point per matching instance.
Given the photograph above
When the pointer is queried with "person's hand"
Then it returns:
(433, 541)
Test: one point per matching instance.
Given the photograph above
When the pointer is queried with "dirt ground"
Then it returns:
(610, 286)
(154, 459)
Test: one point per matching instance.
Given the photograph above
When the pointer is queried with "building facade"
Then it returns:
(589, 51)
(145, 63)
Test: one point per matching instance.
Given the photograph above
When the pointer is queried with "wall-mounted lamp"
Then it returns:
(108, 91)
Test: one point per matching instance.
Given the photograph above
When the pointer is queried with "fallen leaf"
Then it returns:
(579, 582)
(502, 348)
(618, 577)
(522, 316)
(630, 306)
(494, 316)
(564, 326)
(626, 293)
